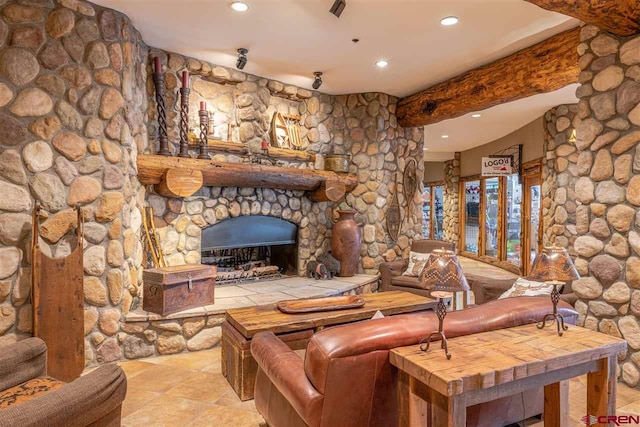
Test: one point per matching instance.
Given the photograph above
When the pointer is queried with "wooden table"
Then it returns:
(491, 365)
(241, 324)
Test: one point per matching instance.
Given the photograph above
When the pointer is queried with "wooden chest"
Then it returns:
(171, 289)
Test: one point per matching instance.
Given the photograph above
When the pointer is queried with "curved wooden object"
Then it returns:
(58, 305)
(330, 190)
(151, 169)
(179, 182)
(544, 67)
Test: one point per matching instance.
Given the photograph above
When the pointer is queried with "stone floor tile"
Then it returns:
(231, 399)
(194, 360)
(137, 399)
(166, 411)
(232, 291)
(264, 287)
(269, 298)
(134, 367)
(160, 378)
(224, 416)
(204, 386)
(309, 292)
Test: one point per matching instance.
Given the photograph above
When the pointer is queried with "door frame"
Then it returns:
(532, 175)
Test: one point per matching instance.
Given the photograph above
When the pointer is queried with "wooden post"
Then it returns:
(601, 389)
(179, 183)
(556, 404)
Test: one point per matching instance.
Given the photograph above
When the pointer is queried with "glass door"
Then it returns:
(426, 213)
(532, 205)
(491, 216)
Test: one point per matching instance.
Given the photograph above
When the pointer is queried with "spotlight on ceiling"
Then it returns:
(318, 80)
(449, 20)
(239, 6)
(242, 58)
(445, 136)
(338, 7)
(382, 63)
(476, 115)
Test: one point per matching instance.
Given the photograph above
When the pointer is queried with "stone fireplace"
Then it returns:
(250, 247)
(79, 112)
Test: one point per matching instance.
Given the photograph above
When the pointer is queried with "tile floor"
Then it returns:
(189, 390)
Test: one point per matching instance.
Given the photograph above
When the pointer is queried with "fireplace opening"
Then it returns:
(250, 248)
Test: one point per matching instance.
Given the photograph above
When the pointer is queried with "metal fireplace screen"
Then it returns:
(247, 232)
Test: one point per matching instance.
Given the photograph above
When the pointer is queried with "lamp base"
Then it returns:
(555, 298)
(441, 312)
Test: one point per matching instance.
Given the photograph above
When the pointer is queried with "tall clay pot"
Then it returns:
(346, 239)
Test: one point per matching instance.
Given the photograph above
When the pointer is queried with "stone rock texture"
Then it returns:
(49, 98)
(603, 177)
(78, 108)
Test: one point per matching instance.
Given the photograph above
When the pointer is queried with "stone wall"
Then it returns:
(362, 125)
(599, 180)
(451, 200)
(72, 116)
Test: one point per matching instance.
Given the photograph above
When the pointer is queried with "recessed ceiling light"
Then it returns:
(382, 63)
(445, 136)
(475, 116)
(426, 149)
(239, 6)
(449, 20)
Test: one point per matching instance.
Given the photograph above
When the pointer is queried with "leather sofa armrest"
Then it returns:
(486, 289)
(569, 298)
(388, 270)
(22, 361)
(79, 403)
(285, 369)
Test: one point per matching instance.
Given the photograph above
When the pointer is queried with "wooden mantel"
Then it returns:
(182, 177)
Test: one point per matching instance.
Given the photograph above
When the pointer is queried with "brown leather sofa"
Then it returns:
(346, 380)
(391, 278)
(29, 398)
(487, 289)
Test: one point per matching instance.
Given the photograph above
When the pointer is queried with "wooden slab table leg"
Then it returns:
(556, 404)
(450, 411)
(601, 389)
(412, 401)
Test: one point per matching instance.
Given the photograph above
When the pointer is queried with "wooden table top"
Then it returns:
(487, 359)
(251, 320)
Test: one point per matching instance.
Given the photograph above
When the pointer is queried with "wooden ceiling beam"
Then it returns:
(620, 17)
(544, 67)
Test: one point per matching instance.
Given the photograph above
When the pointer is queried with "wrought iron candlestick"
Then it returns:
(158, 79)
(204, 130)
(184, 122)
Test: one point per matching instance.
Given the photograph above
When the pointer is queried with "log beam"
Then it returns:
(544, 67)
(154, 170)
(331, 190)
(179, 182)
(620, 17)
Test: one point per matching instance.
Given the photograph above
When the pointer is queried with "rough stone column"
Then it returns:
(608, 191)
(451, 202)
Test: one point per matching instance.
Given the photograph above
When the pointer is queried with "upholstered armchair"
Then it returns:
(28, 397)
(391, 277)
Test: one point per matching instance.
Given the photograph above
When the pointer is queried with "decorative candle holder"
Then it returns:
(158, 79)
(204, 129)
(184, 122)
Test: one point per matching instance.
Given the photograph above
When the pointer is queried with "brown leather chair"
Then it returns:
(346, 380)
(487, 289)
(29, 398)
(391, 278)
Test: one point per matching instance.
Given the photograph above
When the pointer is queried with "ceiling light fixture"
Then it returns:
(382, 63)
(475, 116)
(445, 136)
(449, 20)
(338, 7)
(318, 80)
(239, 6)
(242, 58)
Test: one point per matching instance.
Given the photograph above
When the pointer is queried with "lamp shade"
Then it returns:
(442, 272)
(554, 264)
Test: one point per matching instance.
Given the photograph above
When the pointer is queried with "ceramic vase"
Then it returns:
(346, 239)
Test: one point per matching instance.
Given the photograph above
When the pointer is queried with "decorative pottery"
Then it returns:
(337, 162)
(346, 239)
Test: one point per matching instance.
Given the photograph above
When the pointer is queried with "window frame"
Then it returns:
(431, 186)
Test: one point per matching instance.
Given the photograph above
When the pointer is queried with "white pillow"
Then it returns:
(417, 262)
(529, 288)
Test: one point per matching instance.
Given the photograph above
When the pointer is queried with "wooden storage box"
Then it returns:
(171, 289)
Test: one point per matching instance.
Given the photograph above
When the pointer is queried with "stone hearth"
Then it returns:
(199, 328)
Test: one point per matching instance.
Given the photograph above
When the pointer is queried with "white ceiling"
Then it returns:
(290, 39)
(466, 132)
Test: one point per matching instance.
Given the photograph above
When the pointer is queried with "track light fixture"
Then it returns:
(338, 7)
(242, 58)
(318, 81)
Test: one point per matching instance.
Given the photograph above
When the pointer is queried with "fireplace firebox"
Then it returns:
(250, 248)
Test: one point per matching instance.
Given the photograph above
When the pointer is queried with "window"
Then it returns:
(472, 216)
(500, 217)
(433, 212)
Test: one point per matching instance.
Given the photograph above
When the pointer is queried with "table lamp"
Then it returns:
(444, 274)
(554, 266)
